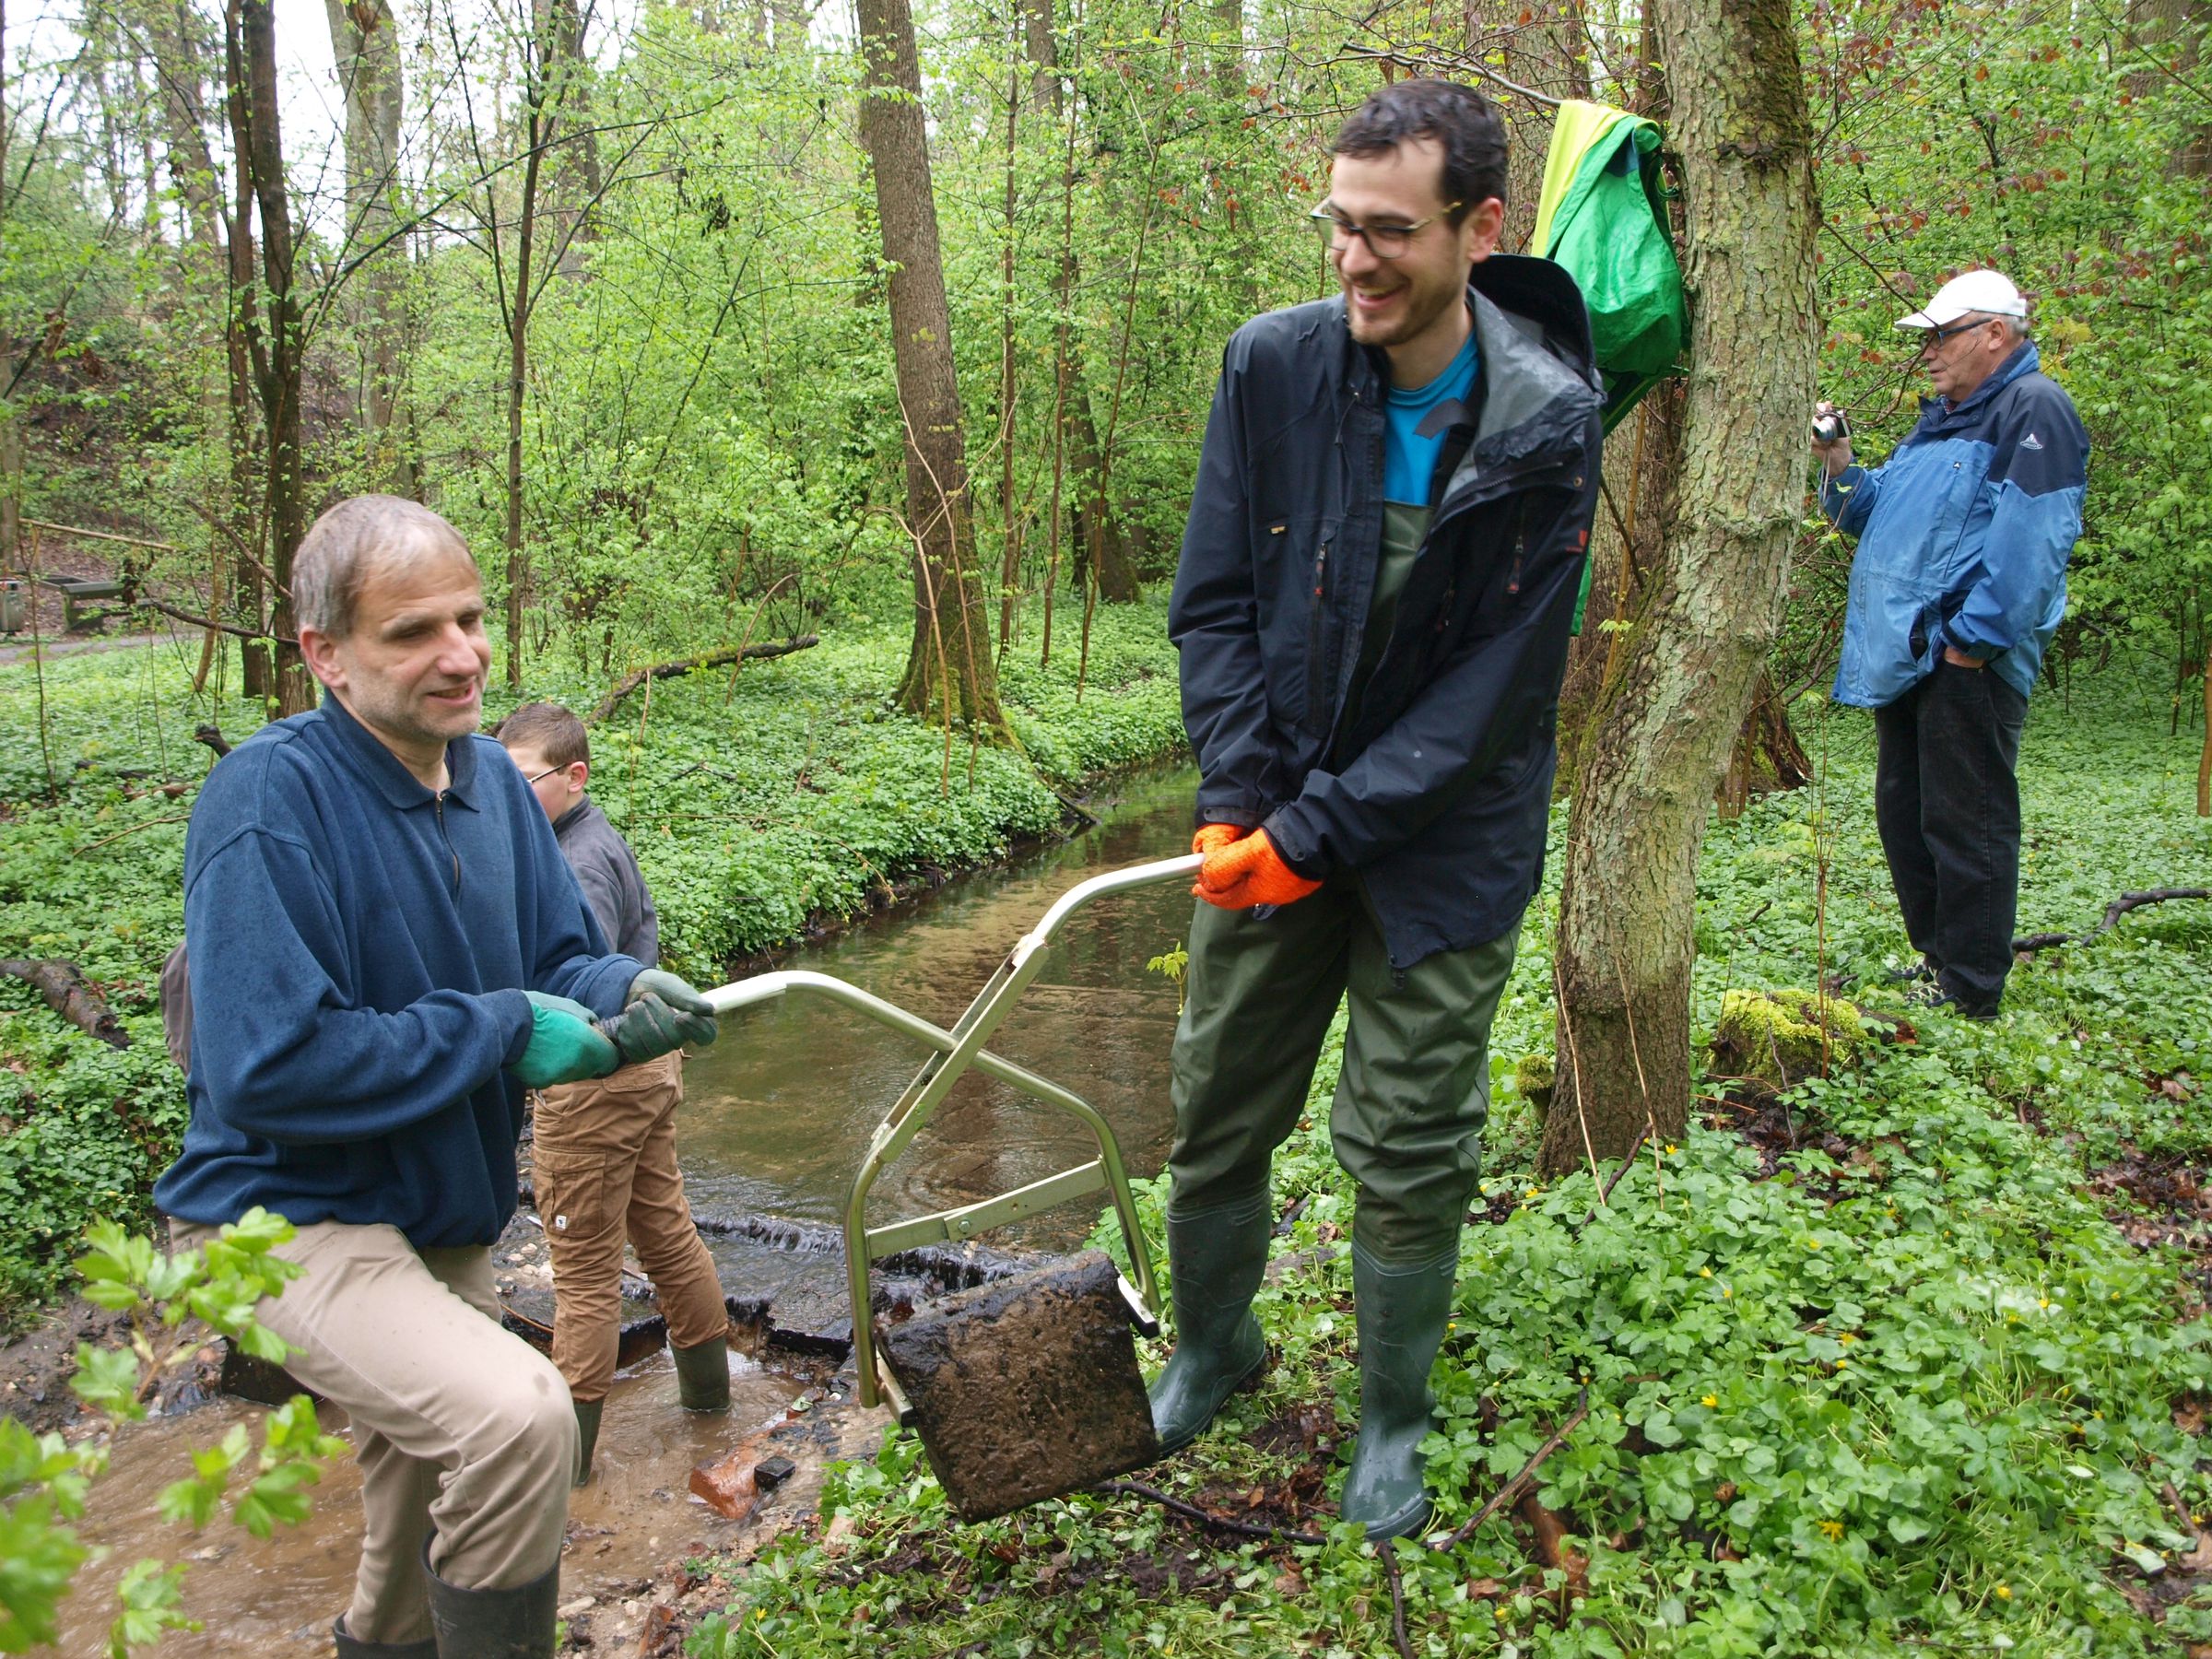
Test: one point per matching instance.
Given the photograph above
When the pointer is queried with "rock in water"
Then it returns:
(1026, 1388)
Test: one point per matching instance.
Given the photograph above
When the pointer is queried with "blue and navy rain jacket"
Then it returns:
(1964, 535)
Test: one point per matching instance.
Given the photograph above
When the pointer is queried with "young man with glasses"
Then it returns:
(1372, 608)
(1958, 584)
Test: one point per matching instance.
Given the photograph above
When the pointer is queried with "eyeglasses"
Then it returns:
(1936, 336)
(547, 773)
(1384, 241)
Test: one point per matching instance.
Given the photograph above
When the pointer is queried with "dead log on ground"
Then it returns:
(2112, 912)
(63, 987)
(712, 659)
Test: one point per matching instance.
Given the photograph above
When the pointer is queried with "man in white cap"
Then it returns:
(1958, 583)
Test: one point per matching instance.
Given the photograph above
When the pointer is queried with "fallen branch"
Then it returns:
(712, 659)
(2112, 912)
(109, 841)
(1191, 1511)
(62, 986)
(1398, 1602)
(1511, 1492)
(209, 622)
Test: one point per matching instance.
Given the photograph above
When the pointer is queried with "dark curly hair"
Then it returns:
(1458, 117)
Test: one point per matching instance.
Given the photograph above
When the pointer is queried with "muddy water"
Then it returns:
(777, 1115)
(275, 1598)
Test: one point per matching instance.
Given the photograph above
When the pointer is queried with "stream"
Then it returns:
(776, 1117)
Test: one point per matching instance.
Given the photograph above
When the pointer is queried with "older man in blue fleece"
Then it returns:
(386, 949)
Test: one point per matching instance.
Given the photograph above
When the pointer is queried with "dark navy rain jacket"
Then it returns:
(1437, 792)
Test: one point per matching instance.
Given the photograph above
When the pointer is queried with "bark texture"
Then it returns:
(63, 987)
(1665, 722)
(278, 360)
(1543, 46)
(364, 42)
(949, 671)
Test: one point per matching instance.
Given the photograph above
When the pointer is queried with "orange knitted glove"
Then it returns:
(1212, 838)
(1250, 872)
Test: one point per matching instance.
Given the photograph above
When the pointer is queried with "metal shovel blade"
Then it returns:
(1026, 1388)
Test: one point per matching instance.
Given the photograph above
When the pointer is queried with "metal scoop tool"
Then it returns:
(1027, 1387)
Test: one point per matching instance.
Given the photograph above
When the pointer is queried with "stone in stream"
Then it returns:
(1027, 1387)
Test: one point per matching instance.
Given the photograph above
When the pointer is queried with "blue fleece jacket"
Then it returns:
(358, 947)
(1964, 534)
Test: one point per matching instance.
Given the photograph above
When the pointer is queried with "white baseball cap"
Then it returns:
(1985, 291)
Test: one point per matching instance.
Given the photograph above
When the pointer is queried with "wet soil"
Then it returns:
(630, 1531)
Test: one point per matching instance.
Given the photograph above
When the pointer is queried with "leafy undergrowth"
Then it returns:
(1913, 1359)
(789, 797)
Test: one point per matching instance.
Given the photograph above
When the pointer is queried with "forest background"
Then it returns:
(711, 331)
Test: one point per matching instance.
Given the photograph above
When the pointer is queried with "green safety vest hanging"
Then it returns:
(1603, 216)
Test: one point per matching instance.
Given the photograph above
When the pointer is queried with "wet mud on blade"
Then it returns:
(1026, 1388)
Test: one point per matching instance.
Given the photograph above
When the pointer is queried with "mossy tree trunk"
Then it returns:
(280, 357)
(949, 671)
(1667, 718)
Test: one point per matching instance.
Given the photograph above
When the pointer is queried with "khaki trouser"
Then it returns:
(602, 1163)
(457, 1424)
(1413, 1097)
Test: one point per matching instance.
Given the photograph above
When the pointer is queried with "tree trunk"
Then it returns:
(1765, 755)
(949, 671)
(1688, 670)
(242, 355)
(1545, 48)
(2174, 29)
(174, 33)
(11, 435)
(578, 175)
(279, 371)
(364, 39)
(1100, 541)
(539, 117)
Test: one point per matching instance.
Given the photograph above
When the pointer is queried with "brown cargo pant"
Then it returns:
(456, 1423)
(603, 1163)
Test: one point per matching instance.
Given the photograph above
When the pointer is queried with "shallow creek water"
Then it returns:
(776, 1118)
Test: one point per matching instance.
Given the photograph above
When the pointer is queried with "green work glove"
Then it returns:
(565, 1044)
(663, 1013)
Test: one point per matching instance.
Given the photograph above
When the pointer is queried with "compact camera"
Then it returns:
(1830, 427)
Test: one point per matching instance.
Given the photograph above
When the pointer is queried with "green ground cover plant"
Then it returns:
(788, 796)
(1891, 1363)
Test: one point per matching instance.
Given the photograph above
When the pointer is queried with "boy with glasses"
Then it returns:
(603, 1151)
(1958, 583)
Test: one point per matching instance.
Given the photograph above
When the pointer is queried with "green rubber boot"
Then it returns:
(349, 1648)
(1215, 1260)
(587, 1436)
(494, 1624)
(702, 1375)
(1402, 1312)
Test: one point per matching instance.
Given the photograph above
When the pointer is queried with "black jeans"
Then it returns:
(1948, 806)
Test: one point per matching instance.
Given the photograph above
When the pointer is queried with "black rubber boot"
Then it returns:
(588, 1412)
(1402, 1311)
(493, 1624)
(350, 1648)
(1215, 1260)
(702, 1375)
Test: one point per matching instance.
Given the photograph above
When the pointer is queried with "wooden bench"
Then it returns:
(77, 591)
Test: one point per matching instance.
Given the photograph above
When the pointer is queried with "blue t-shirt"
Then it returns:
(1409, 456)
